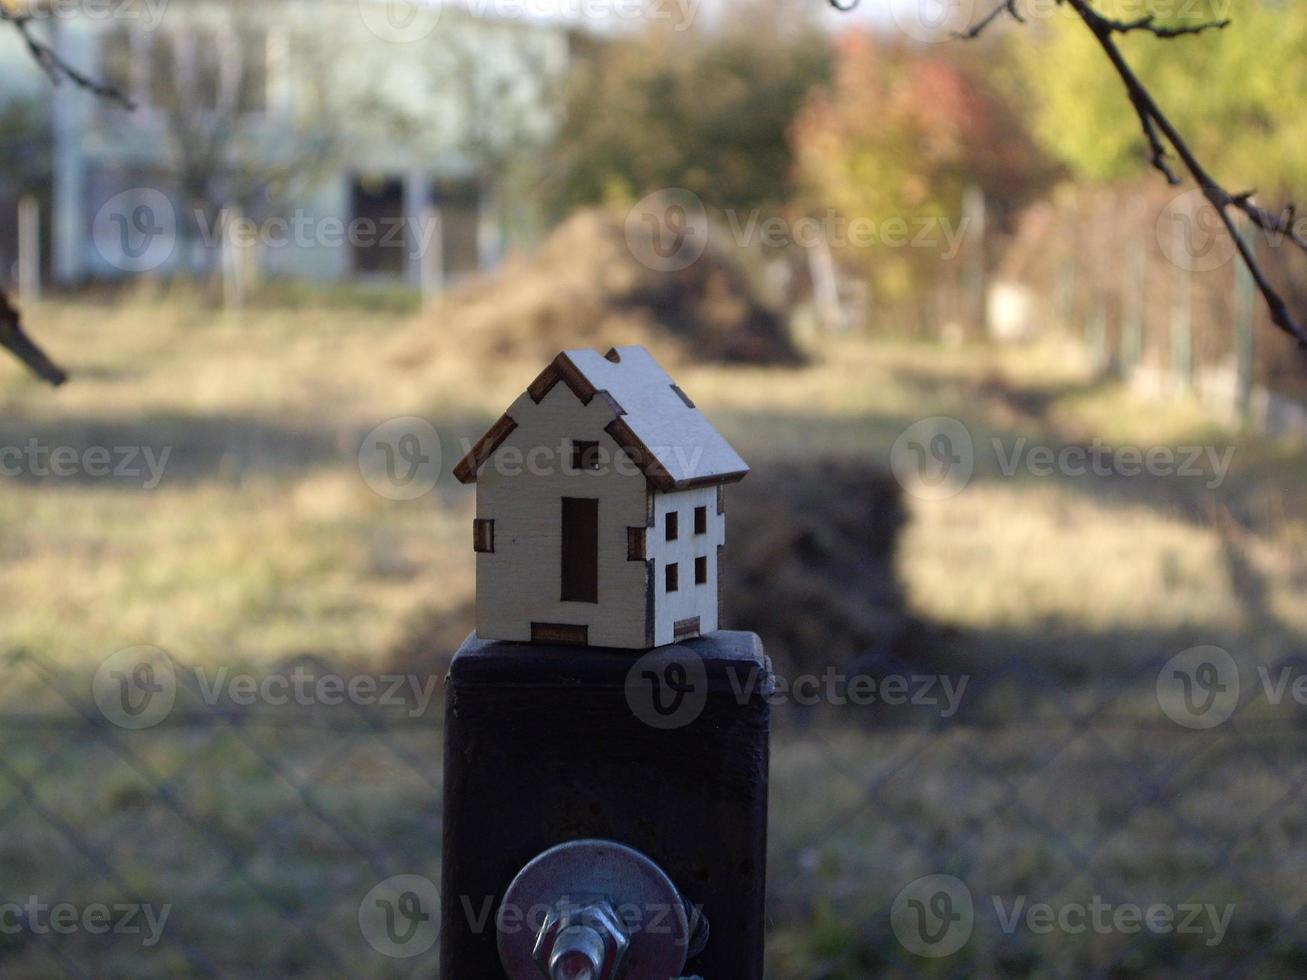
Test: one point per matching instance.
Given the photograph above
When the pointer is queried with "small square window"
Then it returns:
(585, 456)
(701, 520)
(671, 575)
(672, 526)
(700, 571)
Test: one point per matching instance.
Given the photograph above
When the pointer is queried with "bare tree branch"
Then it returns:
(1160, 132)
(12, 335)
(55, 67)
(16, 341)
(1151, 115)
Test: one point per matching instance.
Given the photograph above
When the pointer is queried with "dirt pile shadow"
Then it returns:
(809, 566)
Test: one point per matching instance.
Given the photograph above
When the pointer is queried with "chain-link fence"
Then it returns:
(1148, 277)
(165, 819)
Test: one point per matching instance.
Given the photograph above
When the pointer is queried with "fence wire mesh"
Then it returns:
(1014, 821)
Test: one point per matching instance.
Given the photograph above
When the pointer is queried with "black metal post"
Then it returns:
(665, 752)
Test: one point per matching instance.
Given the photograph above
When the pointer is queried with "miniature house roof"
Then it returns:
(670, 440)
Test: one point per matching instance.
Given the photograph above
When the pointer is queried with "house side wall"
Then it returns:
(521, 488)
(689, 599)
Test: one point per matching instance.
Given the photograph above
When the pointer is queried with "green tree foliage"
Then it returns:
(708, 111)
(1238, 95)
(899, 136)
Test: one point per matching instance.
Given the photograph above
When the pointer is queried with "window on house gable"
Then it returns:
(585, 456)
(671, 527)
(671, 577)
(700, 571)
(701, 520)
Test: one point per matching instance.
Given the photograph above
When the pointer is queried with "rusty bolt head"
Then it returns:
(581, 942)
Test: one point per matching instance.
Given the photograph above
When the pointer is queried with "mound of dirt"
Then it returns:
(586, 288)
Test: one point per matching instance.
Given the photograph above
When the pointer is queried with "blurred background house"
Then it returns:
(315, 129)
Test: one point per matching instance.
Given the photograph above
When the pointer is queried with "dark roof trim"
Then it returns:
(562, 369)
(466, 470)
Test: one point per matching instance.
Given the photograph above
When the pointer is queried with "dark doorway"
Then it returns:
(580, 549)
(378, 238)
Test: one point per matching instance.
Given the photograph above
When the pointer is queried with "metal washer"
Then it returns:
(584, 869)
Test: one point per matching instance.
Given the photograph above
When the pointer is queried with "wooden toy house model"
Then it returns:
(599, 514)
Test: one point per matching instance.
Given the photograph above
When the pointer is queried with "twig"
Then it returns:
(1008, 7)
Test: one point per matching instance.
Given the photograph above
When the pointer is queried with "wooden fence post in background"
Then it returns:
(231, 260)
(1096, 335)
(1182, 299)
(431, 262)
(974, 216)
(1066, 292)
(29, 250)
(1132, 324)
(1244, 316)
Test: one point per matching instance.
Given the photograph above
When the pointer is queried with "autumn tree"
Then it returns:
(899, 137)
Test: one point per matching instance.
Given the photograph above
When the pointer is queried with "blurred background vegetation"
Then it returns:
(1064, 318)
